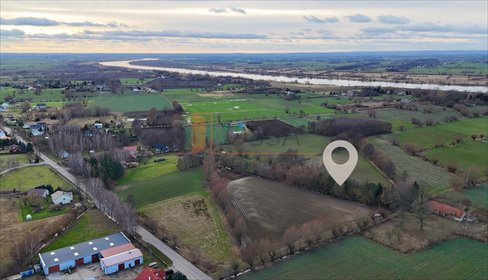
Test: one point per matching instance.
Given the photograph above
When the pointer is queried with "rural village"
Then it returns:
(147, 174)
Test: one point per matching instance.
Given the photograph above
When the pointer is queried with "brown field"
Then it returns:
(272, 207)
(198, 226)
(403, 233)
(12, 228)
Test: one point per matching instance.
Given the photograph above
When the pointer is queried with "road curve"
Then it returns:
(179, 263)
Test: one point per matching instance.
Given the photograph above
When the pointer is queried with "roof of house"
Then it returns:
(83, 249)
(149, 273)
(58, 194)
(40, 192)
(116, 250)
(446, 209)
(121, 257)
(130, 148)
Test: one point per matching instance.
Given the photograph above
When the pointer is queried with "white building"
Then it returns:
(61, 197)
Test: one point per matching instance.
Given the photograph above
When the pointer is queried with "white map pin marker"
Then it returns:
(340, 172)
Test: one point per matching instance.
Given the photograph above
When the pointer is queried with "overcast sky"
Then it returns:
(265, 26)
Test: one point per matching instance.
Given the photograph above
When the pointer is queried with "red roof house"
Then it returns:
(149, 273)
(444, 209)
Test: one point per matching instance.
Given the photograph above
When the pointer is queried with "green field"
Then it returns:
(130, 102)
(93, 224)
(427, 137)
(134, 81)
(472, 68)
(478, 196)
(26, 178)
(309, 146)
(149, 170)
(436, 178)
(163, 187)
(359, 258)
(245, 106)
(466, 154)
(398, 117)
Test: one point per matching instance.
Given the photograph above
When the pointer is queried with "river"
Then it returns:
(311, 81)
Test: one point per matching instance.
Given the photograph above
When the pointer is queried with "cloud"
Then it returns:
(428, 27)
(134, 35)
(31, 21)
(225, 10)
(218, 10)
(359, 18)
(11, 33)
(315, 19)
(390, 19)
(238, 10)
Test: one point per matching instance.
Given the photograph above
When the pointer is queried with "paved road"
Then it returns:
(179, 263)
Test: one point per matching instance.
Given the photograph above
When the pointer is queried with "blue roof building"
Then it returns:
(79, 254)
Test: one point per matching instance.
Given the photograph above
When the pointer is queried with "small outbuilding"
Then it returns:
(120, 258)
(62, 197)
(443, 209)
(39, 192)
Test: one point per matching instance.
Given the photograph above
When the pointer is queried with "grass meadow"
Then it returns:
(162, 187)
(467, 154)
(436, 178)
(25, 178)
(427, 137)
(454, 259)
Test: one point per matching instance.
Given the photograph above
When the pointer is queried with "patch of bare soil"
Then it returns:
(272, 207)
(12, 228)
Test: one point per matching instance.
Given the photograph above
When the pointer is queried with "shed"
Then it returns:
(39, 192)
(122, 260)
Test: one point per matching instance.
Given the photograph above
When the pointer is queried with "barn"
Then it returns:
(119, 258)
(80, 254)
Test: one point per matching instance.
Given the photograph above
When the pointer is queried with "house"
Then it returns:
(161, 148)
(29, 125)
(98, 125)
(443, 209)
(132, 150)
(3, 135)
(2, 108)
(39, 192)
(149, 273)
(120, 258)
(63, 154)
(61, 197)
(40, 106)
(37, 132)
(79, 254)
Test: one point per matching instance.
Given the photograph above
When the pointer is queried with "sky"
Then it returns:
(241, 26)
